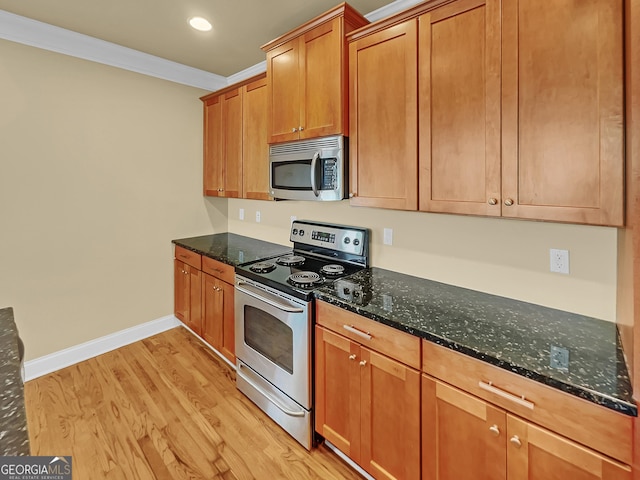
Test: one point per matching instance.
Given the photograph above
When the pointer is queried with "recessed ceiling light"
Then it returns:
(200, 23)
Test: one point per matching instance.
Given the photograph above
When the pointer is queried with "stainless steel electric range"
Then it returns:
(274, 319)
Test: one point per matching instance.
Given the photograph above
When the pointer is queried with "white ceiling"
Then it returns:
(159, 27)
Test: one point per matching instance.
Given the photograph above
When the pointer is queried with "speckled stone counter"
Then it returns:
(14, 439)
(507, 333)
(232, 249)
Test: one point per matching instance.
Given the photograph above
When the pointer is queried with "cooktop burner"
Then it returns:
(304, 279)
(263, 267)
(290, 260)
(333, 269)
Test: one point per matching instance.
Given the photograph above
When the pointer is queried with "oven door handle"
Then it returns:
(314, 184)
(248, 290)
(269, 397)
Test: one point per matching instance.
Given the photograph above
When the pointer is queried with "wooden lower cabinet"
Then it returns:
(187, 295)
(218, 315)
(466, 437)
(368, 405)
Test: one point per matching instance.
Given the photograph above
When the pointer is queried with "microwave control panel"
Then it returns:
(329, 174)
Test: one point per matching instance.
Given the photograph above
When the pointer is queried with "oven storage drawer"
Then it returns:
(220, 270)
(387, 340)
(188, 257)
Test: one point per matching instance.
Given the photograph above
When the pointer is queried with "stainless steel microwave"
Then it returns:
(312, 169)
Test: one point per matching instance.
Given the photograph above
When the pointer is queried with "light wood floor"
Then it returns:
(164, 408)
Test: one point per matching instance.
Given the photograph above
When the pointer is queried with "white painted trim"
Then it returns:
(222, 357)
(48, 37)
(78, 353)
(31, 32)
(390, 9)
(347, 460)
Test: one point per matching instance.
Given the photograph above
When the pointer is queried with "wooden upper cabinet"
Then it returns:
(213, 175)
(307, 82)
(236, 153)
(459, 108)
(255, 153)
(223, 144)
(562, 101)
(383, 146)
(232, 143)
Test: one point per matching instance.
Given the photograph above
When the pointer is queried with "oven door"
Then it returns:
(273, 338)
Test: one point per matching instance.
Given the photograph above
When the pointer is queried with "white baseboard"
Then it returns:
(78, 353)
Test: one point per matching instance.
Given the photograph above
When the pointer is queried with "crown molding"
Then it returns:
(16, 28)
(30, 32)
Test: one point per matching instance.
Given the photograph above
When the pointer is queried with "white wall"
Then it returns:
(500, 256)
(100, 169)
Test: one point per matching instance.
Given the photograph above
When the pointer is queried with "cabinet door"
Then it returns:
(284, 92)
(213, 175)
(337, 390)
(390, 404)
(383, 118)
(181, 291)
(459, 95)
(213, 311)
(462, 436)
(232, 143)
(255, 150)
(535, 453)
(228, 348)
(562, 100)
(321, 73)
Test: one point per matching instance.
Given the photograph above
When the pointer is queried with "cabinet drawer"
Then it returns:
(585, 422)
(188, 257)
(220, 270)
(391, 342)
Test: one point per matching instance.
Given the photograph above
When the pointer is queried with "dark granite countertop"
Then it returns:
(14, 439)
(232, 249)
(510, 334)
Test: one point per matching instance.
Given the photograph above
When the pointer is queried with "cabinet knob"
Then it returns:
(516, 441)
(300, 128)
(508, 202)
(294, 129)
(351, 194)
(493, 201)
(352, 356)
(495, 431)
(363, 363)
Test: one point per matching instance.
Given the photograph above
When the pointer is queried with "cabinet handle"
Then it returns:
(352, 356)
(363, 363)
(509, 396)
(294, 129)
(493, 201)
(508, 202)
(352, 329)
(494, 430)
(516, 441)
(301, 128)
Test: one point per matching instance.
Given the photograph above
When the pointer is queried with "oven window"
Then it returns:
(295, 175)
(269, 336)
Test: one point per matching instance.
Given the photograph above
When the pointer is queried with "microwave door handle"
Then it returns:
(314, 185)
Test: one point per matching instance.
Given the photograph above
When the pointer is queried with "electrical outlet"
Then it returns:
(258, 216)
(559, 358)
(241, 214)
(388, 236)
(559, 260)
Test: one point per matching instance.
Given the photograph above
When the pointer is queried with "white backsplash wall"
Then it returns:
(494, 255)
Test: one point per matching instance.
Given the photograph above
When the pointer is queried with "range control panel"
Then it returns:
(334, 237)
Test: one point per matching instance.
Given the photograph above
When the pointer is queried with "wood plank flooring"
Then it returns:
(164, 408)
